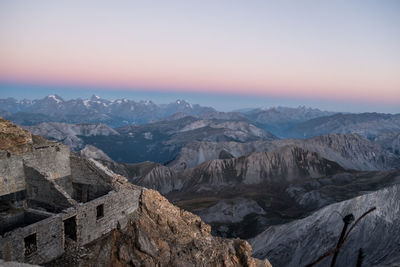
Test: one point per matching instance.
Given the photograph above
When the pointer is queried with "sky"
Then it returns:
(334, 55)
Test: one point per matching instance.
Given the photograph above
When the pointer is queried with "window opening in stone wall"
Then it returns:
(100, 211)
(30, 244)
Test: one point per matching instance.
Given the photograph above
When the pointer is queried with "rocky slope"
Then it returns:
(195, 153)
(13, 138)
(390, 142)
(216, 115)
(93, 152)
(230, 210)
(238, 130)
(69, 133)
(278, 119)
(368, 125)
(282, 165)
(303, 241)
(351, 151)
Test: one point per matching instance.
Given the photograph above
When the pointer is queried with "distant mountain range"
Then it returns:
(115, 113)
(283, 122)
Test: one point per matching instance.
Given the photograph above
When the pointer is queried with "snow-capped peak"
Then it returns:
(55, 98)
(94, 98)
(183, 103)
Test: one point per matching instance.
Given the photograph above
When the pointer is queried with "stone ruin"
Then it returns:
(48, 196)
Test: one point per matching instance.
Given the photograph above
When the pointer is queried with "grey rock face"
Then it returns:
(303, 241)
(160, 178)
(195, 153)
(148, 174)
(68, 133)
(351, 151)
(239, 130)
(93, 152)
(230, 210)
(282, 165)
(279, 119)
(390, 142)
(368, 125)
(279, 114)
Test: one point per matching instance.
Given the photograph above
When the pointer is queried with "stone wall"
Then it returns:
(117, 207)
(88, 181)
(45, 193)
(49, 234)
(84, 172)
(52, 160)
(12, 177)
(66, 184)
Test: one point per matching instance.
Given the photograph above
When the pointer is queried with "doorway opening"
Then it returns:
(70, 228)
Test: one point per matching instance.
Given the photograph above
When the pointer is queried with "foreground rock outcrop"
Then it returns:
(13, 138)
